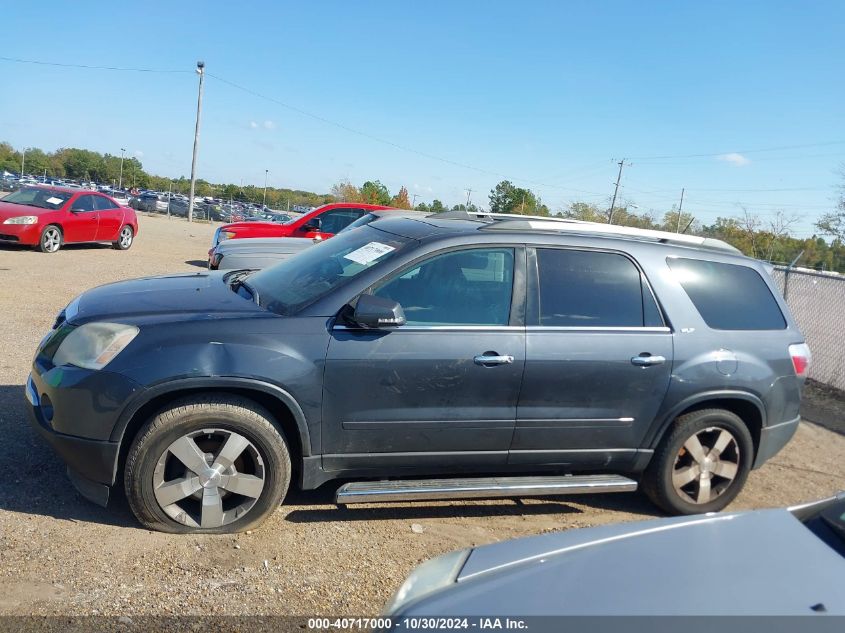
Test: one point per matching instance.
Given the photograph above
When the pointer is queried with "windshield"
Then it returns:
(38, 197)
(297, 282)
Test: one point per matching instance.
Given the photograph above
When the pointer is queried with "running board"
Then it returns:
(480, 488)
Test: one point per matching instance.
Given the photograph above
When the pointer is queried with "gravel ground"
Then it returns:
(63, 555)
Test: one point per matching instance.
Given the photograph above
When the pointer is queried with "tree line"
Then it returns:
(770, 240)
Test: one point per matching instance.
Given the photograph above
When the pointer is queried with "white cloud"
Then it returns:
(139, 153)
(738, 160)
(253, 125)
(269, 125)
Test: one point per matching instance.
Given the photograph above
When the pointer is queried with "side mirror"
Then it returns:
(376, 312)
(313, 224)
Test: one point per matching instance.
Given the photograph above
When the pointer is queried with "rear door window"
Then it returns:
(593, 289)
(728, 296)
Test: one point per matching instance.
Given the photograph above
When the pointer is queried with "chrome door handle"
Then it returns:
(484, 359)
(647, 361)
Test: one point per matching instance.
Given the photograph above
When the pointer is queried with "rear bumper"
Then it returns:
(773, 439)
(90, 463)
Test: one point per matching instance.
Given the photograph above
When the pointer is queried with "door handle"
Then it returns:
(647, 360)
(492, 359)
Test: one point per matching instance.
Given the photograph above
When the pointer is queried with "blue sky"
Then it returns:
(547, 94)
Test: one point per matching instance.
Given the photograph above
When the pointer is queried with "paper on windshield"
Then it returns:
(54, 200)
(369, 253)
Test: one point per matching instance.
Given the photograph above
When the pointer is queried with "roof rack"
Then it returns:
(596, 228)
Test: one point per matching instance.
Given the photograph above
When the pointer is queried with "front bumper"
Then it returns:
(773, 439)
(91, 464)
(28, 234)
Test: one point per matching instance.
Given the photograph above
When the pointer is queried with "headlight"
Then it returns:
(22, 219)
(94, 345)
(226, 235)
(427, 578)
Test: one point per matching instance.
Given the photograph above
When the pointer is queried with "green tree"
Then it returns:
(437, 207)
(373, 192)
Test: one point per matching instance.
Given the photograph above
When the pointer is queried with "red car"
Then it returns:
(323, 221)
(47, 217)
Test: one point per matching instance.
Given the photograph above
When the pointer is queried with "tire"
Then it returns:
(124, 238)
(51, 239)
(258, 465)
(685, 478)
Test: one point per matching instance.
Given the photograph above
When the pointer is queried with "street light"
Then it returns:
(264, 200)
(201, 73)
(120, 182)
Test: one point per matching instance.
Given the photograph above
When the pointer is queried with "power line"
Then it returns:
(393, 144)
(743, 151)
(87, 67)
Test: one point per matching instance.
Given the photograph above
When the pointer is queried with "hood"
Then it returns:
(8, 210)
(762, 562)
(194, 296)
(266, 244)
(242, 225)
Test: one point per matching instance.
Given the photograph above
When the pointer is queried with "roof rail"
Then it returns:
(506, 222)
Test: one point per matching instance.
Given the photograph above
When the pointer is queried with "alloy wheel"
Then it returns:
(706, 465)
(125, 237)
(209, 478)
(51, 240)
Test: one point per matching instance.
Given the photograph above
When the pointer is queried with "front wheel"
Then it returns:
(51, 239)
(124, 238)
(702, 464)
(210, 464)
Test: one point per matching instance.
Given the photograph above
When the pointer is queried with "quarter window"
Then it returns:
(468, 287)
(728, 296)
(101, 203)
(593, 289)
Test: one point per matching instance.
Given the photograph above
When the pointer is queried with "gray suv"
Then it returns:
(432, 358)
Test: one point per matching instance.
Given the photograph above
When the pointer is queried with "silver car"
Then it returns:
(788, 561)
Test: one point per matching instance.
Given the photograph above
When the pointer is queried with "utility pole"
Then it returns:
(23, 160)
(522, 208)
(201, 73)
(469, 193)
(169, 195)
(680, 206)
(414, 200)
(120, 182)
(615, 191)
(264, 199)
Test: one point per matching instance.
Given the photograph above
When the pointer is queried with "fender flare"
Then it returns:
(216, 382)
(656, 432)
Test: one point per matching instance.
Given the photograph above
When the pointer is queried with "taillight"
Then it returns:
(801, 357)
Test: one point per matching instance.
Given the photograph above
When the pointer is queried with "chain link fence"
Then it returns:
(817, 302)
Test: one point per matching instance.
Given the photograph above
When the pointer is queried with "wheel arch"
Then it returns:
(287, 414)
(747, 406)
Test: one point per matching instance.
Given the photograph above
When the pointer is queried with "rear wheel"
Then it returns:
(124, 238)
(51, 239)
(702, 464)
(210, 464)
